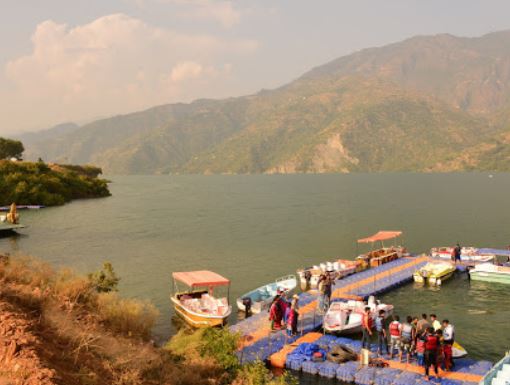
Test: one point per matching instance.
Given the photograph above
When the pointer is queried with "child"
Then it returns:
(420, 350)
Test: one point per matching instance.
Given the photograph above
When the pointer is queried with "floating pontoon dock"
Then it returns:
(260, 343)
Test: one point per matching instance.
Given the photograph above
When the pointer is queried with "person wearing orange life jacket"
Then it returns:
(366, 328)
(431, 350)
(395, 336)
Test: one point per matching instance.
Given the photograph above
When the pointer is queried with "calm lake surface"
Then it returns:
(253, 229)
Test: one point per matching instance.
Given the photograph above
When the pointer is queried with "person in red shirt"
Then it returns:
(431, 350)
(366, 328)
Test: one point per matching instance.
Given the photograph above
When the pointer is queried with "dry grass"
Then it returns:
(128, 316)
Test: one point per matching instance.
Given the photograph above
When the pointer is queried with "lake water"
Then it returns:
(253, 229)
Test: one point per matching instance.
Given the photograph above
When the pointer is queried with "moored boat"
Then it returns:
(10, 221)
(309, 277)
(434, 273)
(382, 254)
(346, 317)
(467, 254)
(198, 305)
(490, 272)
(260, 299)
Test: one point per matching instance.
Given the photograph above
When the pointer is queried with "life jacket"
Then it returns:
(368, 322)
(420, 346)
(395, 329)
(431, 342)
(407, 331)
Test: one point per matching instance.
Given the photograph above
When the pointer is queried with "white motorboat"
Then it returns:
(260, 299)
(309, 277)
(467, 254)
(346, 317)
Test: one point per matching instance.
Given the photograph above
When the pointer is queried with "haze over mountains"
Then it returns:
(429, 103)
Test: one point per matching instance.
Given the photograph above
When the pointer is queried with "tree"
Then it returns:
(11, 149)
(104, 280)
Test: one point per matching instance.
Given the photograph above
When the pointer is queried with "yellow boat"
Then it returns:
(197, 305)
(434, 273)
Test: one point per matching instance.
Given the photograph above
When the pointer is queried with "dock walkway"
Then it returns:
(260, 343)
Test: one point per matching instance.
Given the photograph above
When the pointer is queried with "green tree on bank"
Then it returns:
(11, 148)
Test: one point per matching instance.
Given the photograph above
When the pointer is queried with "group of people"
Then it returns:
(428, 339)
(283, 312)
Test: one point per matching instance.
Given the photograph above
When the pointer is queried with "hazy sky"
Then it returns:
(73, 60)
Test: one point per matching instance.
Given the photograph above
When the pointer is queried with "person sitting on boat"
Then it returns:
(276, 314)
(12, 215)
(395, 336)
(380, 328)
(366, 328)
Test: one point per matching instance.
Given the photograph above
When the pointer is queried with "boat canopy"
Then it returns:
(200, 278)
(380, 236)
(495, 252)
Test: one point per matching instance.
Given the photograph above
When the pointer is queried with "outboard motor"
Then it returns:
(247, 306)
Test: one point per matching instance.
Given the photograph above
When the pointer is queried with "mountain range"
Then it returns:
(428, 103)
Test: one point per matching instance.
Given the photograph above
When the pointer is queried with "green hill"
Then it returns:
(437, 103)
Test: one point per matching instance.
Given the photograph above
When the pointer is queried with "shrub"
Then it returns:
(104, 280)
(73, 288)
(129, 316)
(222, 345)
(258, 374)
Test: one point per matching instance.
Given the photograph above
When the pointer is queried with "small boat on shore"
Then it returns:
(260, 299)
(198, 305)
(467, 254)
(382, 254)
(10, 221)
(309, 277)
(346, 317)
(434, 273)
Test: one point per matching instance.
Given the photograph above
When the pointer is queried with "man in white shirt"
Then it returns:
(435, 322)
(448, 332)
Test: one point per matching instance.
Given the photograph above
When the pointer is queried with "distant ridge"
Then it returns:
(428, 103)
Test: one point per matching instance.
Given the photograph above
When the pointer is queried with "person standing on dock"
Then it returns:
(396, 337)
(457, 251)
(422, 325)
(435, 322)
(448, 340)
(380, 328)
(431, 349)
(325, 289)
(275, 314)
(407, 337)
(366, 328)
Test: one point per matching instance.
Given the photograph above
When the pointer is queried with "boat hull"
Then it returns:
(198, 320)
(433, 280)
(490, 277)
(261, 302)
